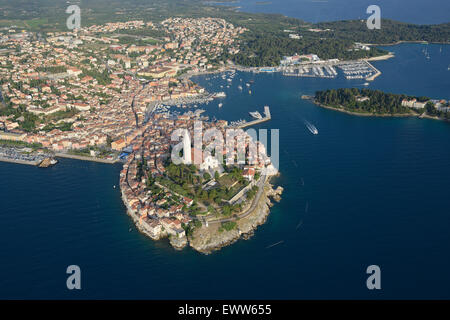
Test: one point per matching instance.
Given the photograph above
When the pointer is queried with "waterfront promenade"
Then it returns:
(19, 161)
(86, 158)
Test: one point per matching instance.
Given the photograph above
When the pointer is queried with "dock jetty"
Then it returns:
(257, 121)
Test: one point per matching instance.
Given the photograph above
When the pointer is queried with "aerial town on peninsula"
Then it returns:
(90, 92)
(93, 94)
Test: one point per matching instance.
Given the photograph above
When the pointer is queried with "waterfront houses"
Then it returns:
(84, 89)
(163, 210)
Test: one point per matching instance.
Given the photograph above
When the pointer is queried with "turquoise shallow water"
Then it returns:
(376, 189)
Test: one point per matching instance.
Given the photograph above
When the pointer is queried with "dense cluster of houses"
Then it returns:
(198, 40)
(163, 212)
(88, 79)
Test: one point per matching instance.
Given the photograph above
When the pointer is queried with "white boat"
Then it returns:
(311, 127)
(240, 88)
(256, 115)
(247, 84)
(220, 105)
(221, 94)
(366, 84)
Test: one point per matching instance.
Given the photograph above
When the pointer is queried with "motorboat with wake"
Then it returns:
(311, 127)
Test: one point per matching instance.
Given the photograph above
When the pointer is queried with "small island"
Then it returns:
(367, 102)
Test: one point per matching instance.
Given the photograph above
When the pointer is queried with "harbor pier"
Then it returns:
(257, 121)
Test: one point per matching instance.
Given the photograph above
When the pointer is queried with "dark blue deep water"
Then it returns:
(377, 191)
(412, 11)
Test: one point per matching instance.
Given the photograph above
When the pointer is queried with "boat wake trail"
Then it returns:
(275, 244)
(311, 127)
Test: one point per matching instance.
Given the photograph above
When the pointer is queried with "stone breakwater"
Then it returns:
(211, 238)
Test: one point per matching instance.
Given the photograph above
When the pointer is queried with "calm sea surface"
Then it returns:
(375, 191)
(412, 11)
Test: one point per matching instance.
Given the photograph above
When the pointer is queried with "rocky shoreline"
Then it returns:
(136, 219)
(209, 239)
(365, 114)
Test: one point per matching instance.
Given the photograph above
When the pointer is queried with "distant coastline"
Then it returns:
(408, 41)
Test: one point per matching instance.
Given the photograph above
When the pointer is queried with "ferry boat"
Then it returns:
(256, 115)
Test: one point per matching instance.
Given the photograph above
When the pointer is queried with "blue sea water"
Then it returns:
(375, 192)
(412, 11)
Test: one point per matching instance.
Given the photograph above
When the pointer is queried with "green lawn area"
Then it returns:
(10, 143)
(36, 23)
(227, 180)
